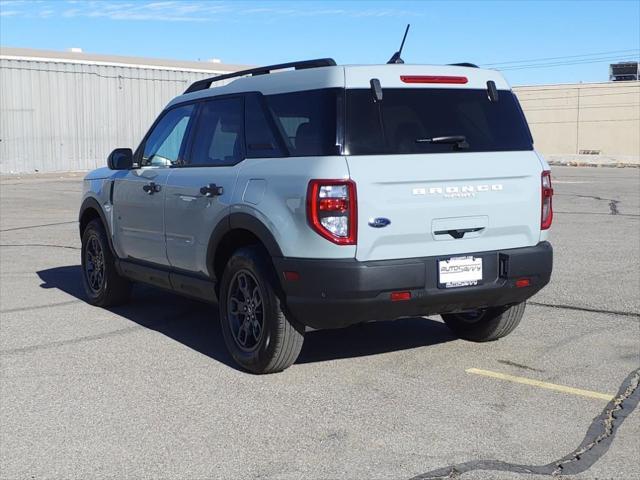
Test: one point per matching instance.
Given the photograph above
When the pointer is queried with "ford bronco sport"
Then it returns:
(315, 195)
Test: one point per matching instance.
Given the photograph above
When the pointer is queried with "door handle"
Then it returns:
(211, 190)
(151, 188)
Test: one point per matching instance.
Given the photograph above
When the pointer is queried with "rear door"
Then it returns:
(198, 193)
(441, 171)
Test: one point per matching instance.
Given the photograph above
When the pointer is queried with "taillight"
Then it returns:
(546, 216)
(332, 210)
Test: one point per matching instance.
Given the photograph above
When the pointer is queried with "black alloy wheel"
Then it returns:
(245, 310)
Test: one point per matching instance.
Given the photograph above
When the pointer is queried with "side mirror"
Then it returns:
(120, 159)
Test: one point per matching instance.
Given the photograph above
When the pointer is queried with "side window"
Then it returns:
(219, 134)
(308, 120)
(163, 145)
(261, 142)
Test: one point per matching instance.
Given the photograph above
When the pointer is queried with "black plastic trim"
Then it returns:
(92, 203)
(252, 224)
(219, 232)
(144, 274)
(169, 279)
(337, 293)
(193, 287)
(300, 65)
(464, 64)
(240, 221)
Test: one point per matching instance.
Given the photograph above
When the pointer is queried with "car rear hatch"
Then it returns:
(440, 168)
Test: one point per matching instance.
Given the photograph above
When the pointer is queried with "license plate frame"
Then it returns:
(460, 271)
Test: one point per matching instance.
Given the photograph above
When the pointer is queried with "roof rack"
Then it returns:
(464, 64)
(301, 65)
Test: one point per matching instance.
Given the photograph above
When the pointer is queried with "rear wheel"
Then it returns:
(487, 324)
(256, 330)
(100, 279)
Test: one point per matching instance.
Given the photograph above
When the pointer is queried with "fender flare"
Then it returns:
(92, 203)
(240, 221)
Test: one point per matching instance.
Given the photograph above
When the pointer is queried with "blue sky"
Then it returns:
(572, 35)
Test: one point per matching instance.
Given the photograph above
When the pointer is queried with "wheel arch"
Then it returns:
(235, 231)
(90, 210)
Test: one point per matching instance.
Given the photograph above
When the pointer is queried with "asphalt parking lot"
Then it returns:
(148, 390)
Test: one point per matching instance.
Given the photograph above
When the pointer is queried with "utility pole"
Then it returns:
(578, 124)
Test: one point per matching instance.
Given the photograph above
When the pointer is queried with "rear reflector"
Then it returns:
(433, 79)
(291, 276)
(400, 296)
(523, 282)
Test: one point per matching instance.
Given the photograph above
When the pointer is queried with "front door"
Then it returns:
(138, 197)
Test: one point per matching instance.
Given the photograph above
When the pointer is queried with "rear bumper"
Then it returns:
(338, 293)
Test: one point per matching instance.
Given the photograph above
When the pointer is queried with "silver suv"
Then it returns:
(315, 195)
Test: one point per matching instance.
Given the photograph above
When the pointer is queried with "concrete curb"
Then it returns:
(581, 160)
(575, 163)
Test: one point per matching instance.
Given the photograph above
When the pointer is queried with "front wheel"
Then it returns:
(102, 284)
(256, 330)
(487, 324)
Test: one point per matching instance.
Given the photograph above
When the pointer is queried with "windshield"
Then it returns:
(433, 121)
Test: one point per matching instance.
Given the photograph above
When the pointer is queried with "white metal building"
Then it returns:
(62, 111)
(67, 110)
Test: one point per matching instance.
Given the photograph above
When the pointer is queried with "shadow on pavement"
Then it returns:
(195, 324)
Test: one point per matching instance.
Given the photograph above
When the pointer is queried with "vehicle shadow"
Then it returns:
(195, 324)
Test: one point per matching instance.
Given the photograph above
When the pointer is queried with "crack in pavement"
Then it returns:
(595, 444)
(37, 226)
(38, 245)
(40, 307)
(519, 365)
(632, 215)
(99, 336)
(613, 203)
(586, 309)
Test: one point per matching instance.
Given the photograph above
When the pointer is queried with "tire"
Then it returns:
(485, 325)
(256, 330)
(107, 289)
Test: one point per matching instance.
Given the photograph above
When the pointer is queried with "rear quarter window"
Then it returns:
(306, 120)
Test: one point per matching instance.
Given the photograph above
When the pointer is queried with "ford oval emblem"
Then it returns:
(379, 222)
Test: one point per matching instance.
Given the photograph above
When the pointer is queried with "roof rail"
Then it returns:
(301, 65)
(464, 64)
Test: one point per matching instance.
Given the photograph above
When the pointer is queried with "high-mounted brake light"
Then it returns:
(433, 79)
(332, 210)
(546, 214)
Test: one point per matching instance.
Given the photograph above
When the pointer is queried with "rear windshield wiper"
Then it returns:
(460, 141)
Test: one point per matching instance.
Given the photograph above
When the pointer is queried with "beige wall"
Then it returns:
(568, 119)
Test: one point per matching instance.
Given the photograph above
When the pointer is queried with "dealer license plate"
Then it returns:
(460, 272)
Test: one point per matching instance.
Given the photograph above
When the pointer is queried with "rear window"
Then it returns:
(306, 120)
(407, 121)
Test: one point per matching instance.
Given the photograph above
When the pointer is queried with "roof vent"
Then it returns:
(74, 50)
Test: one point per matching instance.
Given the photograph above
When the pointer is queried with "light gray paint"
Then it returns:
(60, 116)
(497, 193)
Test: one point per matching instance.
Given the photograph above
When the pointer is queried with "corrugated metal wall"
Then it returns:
(61, 116)
(57, 116)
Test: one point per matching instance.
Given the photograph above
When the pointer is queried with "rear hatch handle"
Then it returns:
(459, 232)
